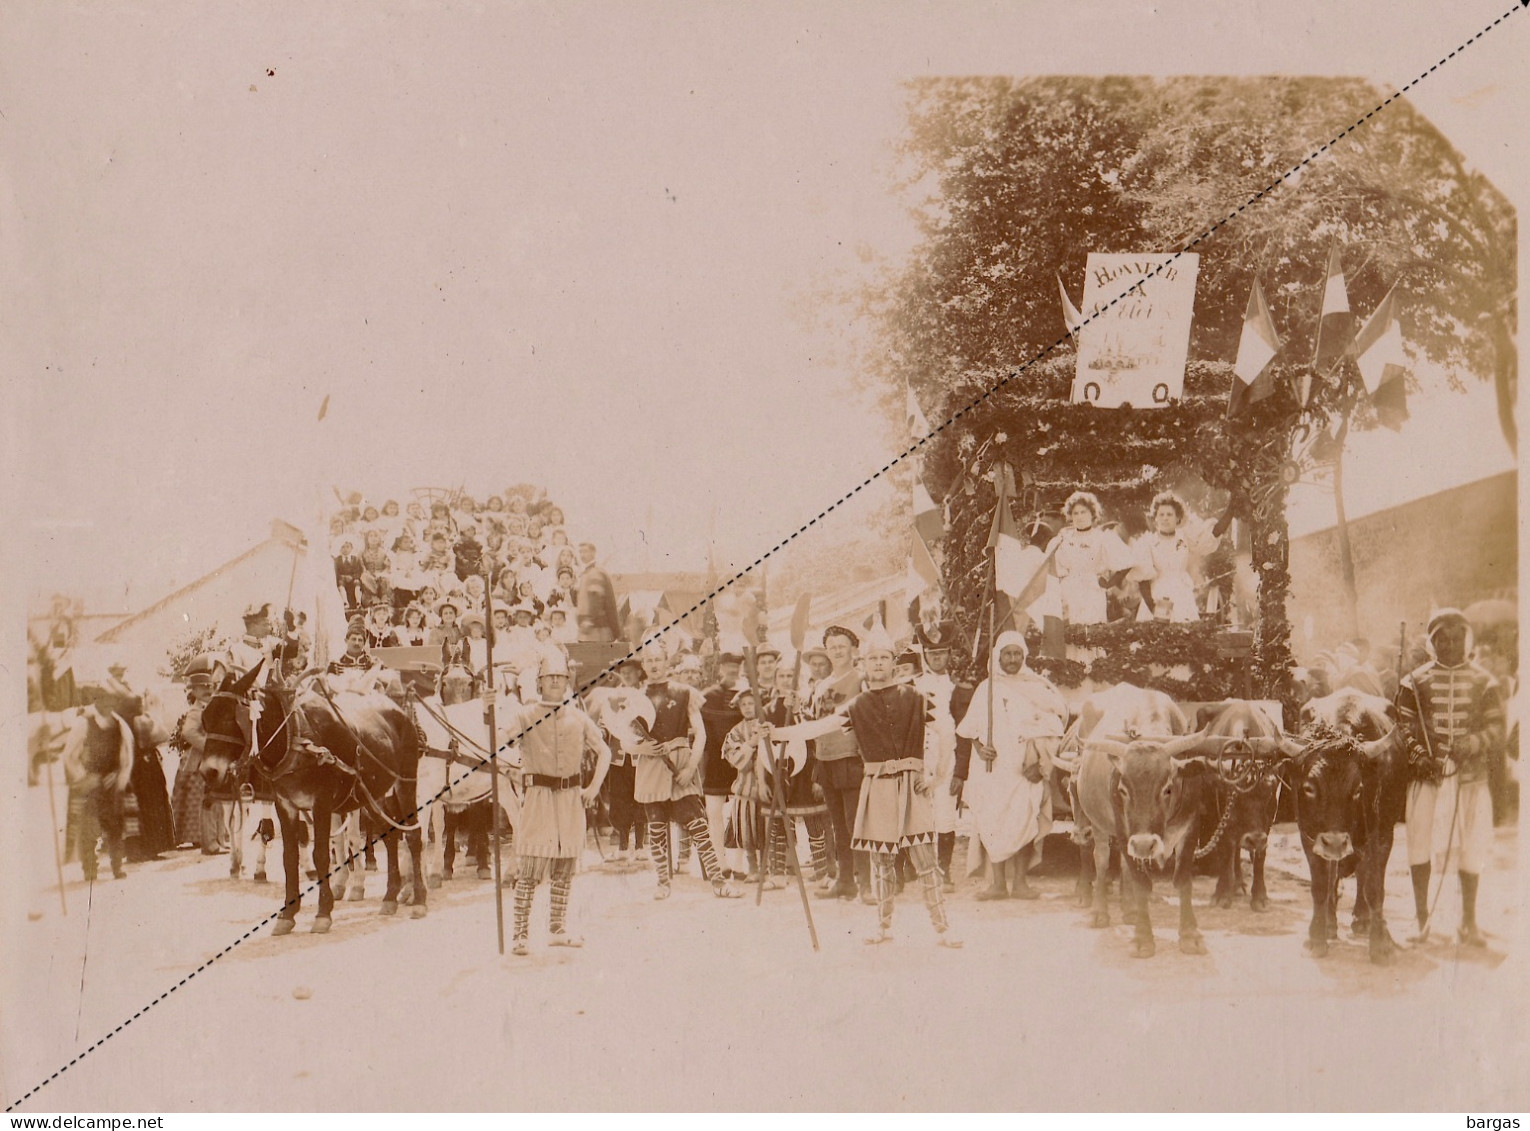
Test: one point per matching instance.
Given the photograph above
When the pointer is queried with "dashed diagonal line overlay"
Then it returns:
(914, 447)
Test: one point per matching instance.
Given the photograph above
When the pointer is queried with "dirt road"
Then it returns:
(698, 1003)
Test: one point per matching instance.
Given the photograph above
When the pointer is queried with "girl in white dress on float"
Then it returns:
(1164, 555)
(1086, 561)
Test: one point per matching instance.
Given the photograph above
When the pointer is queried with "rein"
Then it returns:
(254, 749)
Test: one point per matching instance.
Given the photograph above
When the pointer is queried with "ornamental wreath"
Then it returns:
(1126, 456)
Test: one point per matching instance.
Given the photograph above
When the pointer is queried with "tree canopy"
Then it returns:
(1015, 181)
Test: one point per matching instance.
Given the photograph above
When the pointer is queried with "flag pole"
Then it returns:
(993, 600)
(499, 891)
(777, 796)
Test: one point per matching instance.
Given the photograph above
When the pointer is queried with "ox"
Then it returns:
(1351, 787)
(1243, 796)
(1118, 741)
(1146, 796)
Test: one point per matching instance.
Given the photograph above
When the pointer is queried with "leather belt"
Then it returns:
(554, 783)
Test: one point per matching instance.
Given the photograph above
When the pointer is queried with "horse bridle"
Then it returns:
(249, 738)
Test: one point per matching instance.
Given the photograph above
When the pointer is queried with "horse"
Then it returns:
(449, 793)
(323, 752)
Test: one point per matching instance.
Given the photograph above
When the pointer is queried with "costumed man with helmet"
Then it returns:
(1451, 718)
(668, 778)
(259, 643)
(198, 818)
(893, 813)
(947, 702)
(554, 737)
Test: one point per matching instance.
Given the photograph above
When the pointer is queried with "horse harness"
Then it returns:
(247, 714)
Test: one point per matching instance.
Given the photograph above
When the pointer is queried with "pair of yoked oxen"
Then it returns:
(1166, 798)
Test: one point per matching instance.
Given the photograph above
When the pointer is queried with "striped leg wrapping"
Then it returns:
(819, 844)
(884, 869)
(922, 857)
(702, 839)
(558, 917)
(658, 848)
(525, 888)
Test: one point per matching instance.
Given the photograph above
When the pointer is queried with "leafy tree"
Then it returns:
(1014, 182)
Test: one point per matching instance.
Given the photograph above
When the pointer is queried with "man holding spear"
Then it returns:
(554, 736)
(893, 813)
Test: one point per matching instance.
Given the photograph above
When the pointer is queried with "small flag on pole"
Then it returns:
(1383, 362)
(1014, 568)
(1378, 346)
(918, 423)
(1256, 349)
(1336, 328)
(1071, 316)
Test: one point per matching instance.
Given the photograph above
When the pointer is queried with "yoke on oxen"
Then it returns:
(1145, 786)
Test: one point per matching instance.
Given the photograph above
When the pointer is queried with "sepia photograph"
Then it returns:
(673, 557)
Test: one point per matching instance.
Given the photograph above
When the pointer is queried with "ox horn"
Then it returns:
(1176, 748)
(1109, 746)
(1374, 751)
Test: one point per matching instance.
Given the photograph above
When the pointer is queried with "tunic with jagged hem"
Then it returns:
(894, 811)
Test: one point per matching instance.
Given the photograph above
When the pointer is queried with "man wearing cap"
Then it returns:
(595, 599)
(668, 777)
(839, 764)
(893, 812)
(258, 644)
(719, 715)
(98, 762)
(1451, 718)
(553, 737)
(945, 701)
(356, 657)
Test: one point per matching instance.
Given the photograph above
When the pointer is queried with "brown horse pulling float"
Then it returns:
(329, 753)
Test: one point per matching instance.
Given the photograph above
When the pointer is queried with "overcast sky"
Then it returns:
(571, 244)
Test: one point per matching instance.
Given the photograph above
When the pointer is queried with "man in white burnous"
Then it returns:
(1015, 721)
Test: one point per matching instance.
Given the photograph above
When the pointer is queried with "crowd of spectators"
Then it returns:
(454, 572)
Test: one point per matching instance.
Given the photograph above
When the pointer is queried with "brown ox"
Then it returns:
(1350, 793)
(1121, 713)
(1146, 797)
(1243, 796)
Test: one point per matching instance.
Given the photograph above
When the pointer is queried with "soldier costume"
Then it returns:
(553, 738)
(668, 777)
(893, 812)
(1451, 717)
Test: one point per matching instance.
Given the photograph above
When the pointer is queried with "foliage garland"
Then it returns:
(1126, 456)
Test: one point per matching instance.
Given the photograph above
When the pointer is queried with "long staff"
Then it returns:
(778, 804)
(58, 858)
(499, 892)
